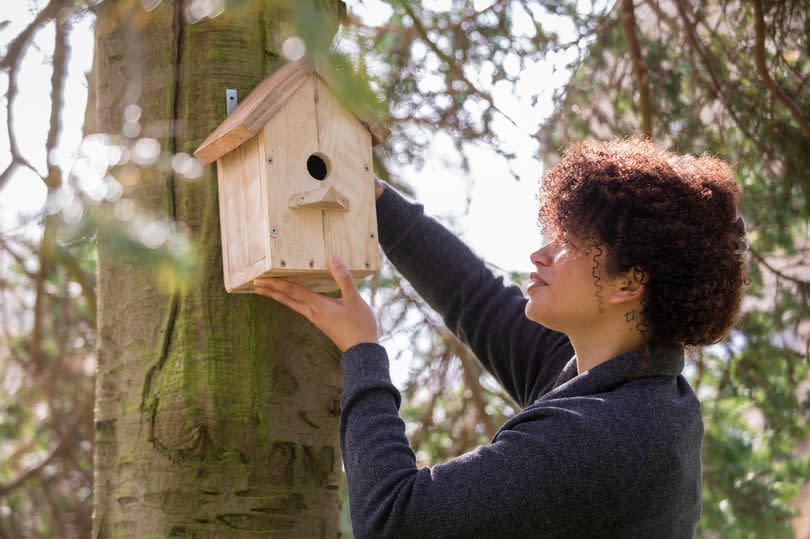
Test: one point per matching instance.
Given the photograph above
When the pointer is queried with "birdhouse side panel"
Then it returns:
(244, 220)
(296, 233)
(255, 205)
(224, 219)
(347, 144)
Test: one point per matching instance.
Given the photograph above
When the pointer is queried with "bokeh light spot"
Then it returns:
(146, 151)
(293, 48)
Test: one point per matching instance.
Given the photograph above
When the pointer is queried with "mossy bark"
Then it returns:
(216, 414)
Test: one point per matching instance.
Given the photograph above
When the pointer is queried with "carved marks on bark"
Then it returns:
(286, 488)
(283, 381)
(289, 466)
(317, 468)
(282, 464)
(257, 522)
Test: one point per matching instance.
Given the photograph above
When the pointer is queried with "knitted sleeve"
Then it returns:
(483, 312)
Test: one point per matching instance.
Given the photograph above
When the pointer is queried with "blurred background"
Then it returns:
(481, 96)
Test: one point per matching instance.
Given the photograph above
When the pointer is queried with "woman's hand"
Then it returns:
(347, 320)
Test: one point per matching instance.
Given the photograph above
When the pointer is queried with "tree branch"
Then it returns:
(78, 274)
(17, 159)
(716, 87)
(58, 518)
(53, 182)
(473, 383)
(762, 68)
(18, 44)
(11, 61)
(451, 63)
(19, 258)
(639, 67)
(63, 445)
(805, 285)
(60, 54)
(426, 420)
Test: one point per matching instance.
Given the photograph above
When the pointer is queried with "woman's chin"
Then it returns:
(530, 312)
(538, 317)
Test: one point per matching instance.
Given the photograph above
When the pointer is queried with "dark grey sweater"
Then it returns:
(605, 453)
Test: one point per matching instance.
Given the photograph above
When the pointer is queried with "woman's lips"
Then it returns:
(536, 281)
(535, 277)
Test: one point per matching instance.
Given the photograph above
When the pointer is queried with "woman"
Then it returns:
(646, 256)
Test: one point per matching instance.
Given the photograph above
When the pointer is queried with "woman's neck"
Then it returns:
(597, 345)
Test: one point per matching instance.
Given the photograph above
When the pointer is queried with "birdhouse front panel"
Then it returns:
(320, 189)
(346, 143)
(295, 237)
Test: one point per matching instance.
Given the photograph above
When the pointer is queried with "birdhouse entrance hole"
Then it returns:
(318, 166)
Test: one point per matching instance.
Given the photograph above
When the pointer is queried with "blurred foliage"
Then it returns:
(46, 396)
(695, 81)
(728, 78)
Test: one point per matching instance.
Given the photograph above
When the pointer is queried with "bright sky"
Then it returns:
(25, 193)
(500, 225)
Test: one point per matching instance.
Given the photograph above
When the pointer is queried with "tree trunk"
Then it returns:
(216, 414)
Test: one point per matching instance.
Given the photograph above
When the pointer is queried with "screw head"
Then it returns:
(311, 263)
(283, 262)
(269, 161)
(368, 265)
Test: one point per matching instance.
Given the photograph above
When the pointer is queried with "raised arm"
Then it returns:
(524, 356)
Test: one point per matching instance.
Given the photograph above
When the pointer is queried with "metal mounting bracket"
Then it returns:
(231, 100)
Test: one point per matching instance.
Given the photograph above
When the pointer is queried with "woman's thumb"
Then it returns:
(342, 276)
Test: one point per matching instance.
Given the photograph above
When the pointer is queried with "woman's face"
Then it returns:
(568, 300)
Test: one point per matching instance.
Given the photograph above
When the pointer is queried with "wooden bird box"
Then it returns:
(296, 185)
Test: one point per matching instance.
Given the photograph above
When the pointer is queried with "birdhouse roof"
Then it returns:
(262, 103)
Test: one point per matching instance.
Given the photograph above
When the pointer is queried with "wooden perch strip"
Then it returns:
(326, 197)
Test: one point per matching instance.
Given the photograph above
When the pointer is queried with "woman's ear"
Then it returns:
(629, 286)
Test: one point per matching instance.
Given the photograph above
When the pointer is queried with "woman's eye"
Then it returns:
(568, 243)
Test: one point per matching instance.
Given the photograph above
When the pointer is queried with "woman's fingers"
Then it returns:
(294, 304)
(346, 321)
(292, 290)
(308, 303)
(295, 296)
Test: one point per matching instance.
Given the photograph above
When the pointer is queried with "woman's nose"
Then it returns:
(542, 256)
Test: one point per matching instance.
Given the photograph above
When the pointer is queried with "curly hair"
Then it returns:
(670, 218)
